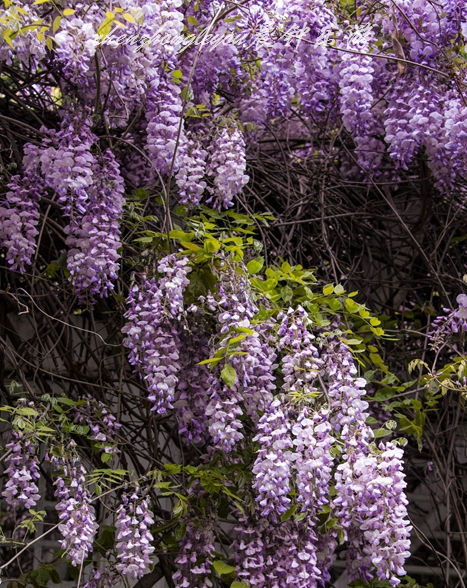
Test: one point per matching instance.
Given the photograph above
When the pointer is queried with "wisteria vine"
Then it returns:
(144, 123)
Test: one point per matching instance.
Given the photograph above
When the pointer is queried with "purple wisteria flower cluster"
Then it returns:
(76, 514)
(355, 84)
(133, 536)
(272, 468)
(227, 166)
(64, 162)
(94, 238)
(193, 385)
(19, 220)
(165, 131)
(195, 556)
(90, 191)
(452, 322)
(314, 436)
(267, 554)
(372, 510)
(102, 423)
(22, 470)
(314, 462)
(191, 172)
(301, 363)
(155, 308)
(252, 360)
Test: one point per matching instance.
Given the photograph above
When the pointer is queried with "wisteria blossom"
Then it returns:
(227, 166)
(76, 514)
(195, 556)
(133, 536)
(152, 330)
(22, 469)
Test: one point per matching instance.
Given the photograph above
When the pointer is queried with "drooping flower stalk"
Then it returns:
(94, 238)
(272, 468)
(133, 536)
(195, 556)
(76, 514)
(227, 166)
(22, 472)
(154, 308)
(252, 361)
(19, 220)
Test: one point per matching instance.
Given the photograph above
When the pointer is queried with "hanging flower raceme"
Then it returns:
(133, 536)
(192, 169)
(19, 220)
(283, 554)
(272, 469)
(102, 423)
(195, 556)
(94, 238)
(249, 551)
(355, 82)
(165, 130)
(251, 363)
(345, 390)
(301, 363)
(227, 166)
(65, 161)
(22, 472)
(372, 510)
(451, 322)
(77, 517)
(154, 309)
(77, 42)
(90, 191)
(193, 385)
(314, 463)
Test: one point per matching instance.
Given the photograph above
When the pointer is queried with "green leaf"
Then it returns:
(237, 584)
(144, 240)
(289, 513)
(351, 305)
(67, 401)
(238, 338)
(286, 293)
(378, 331)
(255, 265)
(190, 246)
(382, 432)
(172, 468)
(181, 235)
(329, 289)
(222, 568)
(229, 375)
(331, 523)
(56, 24)
(211, 245)
(27, 411)
(339, 289)
(352, 341)
(210, 360)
